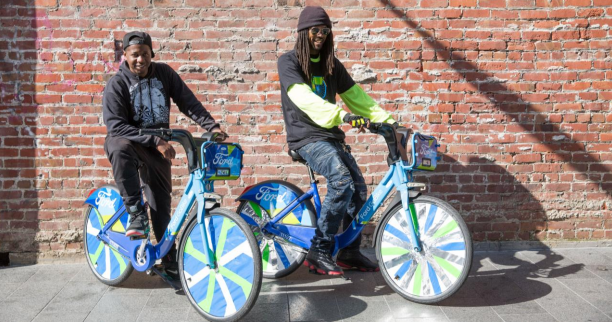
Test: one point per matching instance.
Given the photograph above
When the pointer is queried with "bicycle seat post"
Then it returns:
(311, 175)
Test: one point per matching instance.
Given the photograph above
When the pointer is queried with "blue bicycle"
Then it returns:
(219, 260)
(423, 246)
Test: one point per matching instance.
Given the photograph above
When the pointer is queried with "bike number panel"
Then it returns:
(222, 161)
(442, 261)
(224, 292)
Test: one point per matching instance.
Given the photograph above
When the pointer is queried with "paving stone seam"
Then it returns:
(588, 302)
(536, 300)
(55, 296)
(21, 283)
(587, 269)
(144, 305)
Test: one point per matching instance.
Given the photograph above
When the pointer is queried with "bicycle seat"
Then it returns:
(296, 157)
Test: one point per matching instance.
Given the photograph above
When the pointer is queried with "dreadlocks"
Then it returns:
(302, 50)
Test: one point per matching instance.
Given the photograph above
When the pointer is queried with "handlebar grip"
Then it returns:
(164, 133)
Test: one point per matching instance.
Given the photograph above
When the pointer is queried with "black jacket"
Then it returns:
(131, 103)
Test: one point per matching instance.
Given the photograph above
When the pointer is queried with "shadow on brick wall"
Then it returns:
(511, 103)
(495, 204)
(19, 199)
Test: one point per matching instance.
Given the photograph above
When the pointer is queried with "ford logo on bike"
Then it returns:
(269, 194)
(104, 200)
(222, 159)
(427, 151)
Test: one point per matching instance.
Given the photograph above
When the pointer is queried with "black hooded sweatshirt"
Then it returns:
(131, 103)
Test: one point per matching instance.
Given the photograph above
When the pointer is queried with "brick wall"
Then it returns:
(518, 91)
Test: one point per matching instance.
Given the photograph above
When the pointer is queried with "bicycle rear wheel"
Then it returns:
(443, 265)
(108, 265)
(228, 292)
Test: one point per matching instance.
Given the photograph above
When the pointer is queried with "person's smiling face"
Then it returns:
(138, 58)
(317, 39)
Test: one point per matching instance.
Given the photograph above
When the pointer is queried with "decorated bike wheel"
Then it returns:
(279, 257)
(108, 265)
(442, 266)
(227, 292)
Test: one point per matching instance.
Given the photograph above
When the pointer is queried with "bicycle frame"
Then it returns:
(398, 176)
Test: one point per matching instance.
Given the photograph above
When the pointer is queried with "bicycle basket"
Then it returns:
(221, 161)
(424, 152)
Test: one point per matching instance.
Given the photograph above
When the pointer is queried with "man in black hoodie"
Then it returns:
(138, 97)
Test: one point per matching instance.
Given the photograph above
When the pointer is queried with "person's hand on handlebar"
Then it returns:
(166, 149)
(357, 121)
(222, 135)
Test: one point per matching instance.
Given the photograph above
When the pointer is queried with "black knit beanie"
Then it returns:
(313, 16)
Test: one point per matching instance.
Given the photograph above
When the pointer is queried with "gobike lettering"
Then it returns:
(362, 216)
(269, 194)
(180, 211)
(427, 151)
(104, 200)
(223, 159)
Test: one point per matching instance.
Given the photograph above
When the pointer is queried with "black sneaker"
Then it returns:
(171, 269)
(322, 263)
(354, 259)
(139, 221)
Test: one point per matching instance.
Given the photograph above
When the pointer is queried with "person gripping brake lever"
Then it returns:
(138, 97)
(310, 77)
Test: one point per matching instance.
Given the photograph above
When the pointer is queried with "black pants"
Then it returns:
(132, 164)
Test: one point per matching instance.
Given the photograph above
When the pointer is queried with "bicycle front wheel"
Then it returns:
(229, 291)
(442, 266)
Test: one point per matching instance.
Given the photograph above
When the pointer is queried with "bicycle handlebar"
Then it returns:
(388, 132)
(178, 135)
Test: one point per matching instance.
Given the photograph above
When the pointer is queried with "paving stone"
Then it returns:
(22, 309)
(164, 314)
(6, 289)
(468, 310)
(118, 308)
(543, 317)
(61, 316)
(76, 297)
(316, 307)
(403, 308)
(372, 311)
(268, 312)
(596, 293)
(17, 274)
(167, 298)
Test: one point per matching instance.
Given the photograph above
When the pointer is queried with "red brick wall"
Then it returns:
(518, 91)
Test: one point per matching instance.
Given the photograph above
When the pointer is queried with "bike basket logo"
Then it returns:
(104, 199)
(426, 150)
(223, 158)
(269, 194)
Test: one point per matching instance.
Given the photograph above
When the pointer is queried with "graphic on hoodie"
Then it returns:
(149, 102)
(319, 86)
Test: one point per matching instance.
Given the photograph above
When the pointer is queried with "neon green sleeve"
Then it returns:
(323, 113)
(363, 105)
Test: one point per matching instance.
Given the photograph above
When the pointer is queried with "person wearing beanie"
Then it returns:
(135, 98)
(310, 77)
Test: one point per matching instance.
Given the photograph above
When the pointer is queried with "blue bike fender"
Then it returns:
(273, 196)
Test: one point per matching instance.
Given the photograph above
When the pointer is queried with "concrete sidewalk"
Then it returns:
(571, 284)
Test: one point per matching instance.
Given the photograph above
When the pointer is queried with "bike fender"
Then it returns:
(397, 200)
(273, 196)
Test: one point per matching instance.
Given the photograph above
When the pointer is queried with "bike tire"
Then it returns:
(279, 257)
(108, 265)
(441, 268)
(230, 291)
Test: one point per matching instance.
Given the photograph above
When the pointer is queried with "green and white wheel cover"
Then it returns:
(104, 260)
(443, 259)
(224, 292)
(276, 254)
